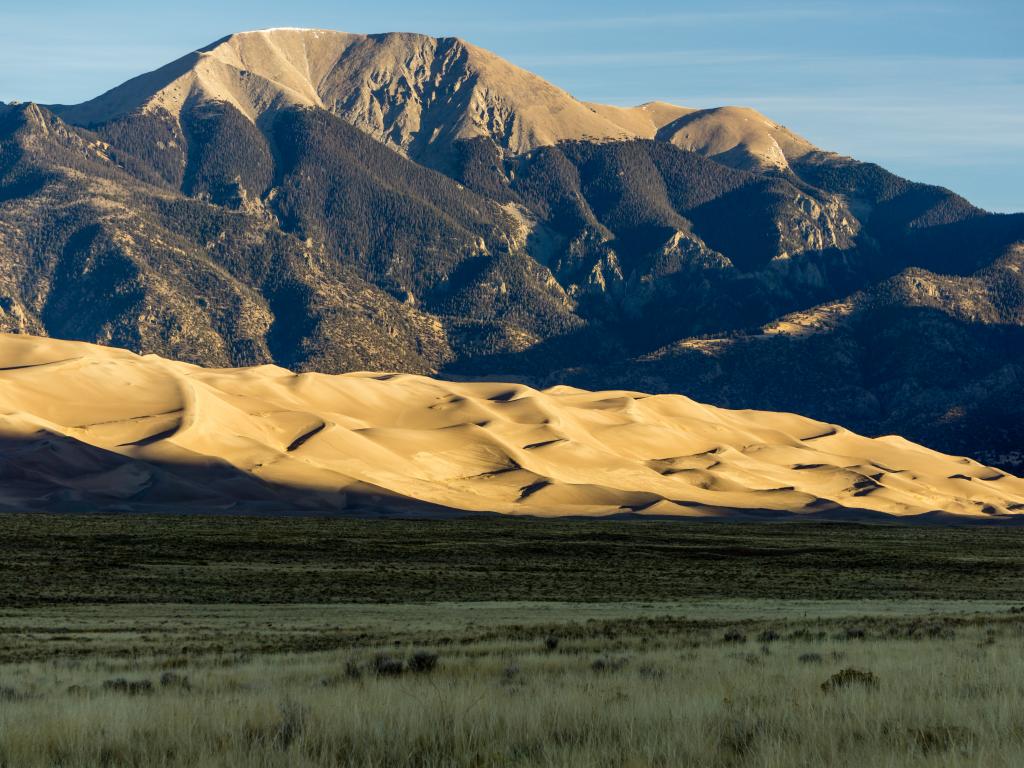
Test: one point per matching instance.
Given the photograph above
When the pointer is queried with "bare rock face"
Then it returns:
(809, 225)
(14, 319)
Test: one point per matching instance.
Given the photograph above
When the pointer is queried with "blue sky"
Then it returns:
(931, 90)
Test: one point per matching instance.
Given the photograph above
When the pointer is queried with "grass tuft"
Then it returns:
(848, 677)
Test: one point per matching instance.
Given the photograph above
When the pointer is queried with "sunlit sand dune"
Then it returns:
(87, 427)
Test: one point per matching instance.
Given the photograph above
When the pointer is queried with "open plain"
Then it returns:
(219, 641)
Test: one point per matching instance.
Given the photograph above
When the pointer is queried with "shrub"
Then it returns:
(291, 725)
(850, 676)
(734, 636)
(129, 687)
(352, 669)
(940, 632)
(423, 661)
(738, 736)
(768, 636)
(10, 694)
(606, 664)
(175, 680)
(806, 634)
(386, 666)
(810, 658)
(651, 672)
(943, 738)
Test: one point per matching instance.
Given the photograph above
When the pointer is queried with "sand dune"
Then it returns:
(86, 427)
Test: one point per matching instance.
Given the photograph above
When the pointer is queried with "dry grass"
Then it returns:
(225, 643)
(69, 560)
(949, 691)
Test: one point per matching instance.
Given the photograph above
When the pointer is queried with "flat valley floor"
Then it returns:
(216, 641)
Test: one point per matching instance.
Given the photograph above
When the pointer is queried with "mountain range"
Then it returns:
(336, 202)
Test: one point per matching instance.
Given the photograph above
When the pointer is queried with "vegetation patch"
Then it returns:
(850, 677)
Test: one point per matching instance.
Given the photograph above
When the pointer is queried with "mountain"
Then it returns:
(409, 91)
(334, 202)
(417, 94)
(87, 427)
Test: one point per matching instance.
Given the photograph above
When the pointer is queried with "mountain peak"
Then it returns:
(738, 136)
(402, 88)
(273, 30)
(414, 93)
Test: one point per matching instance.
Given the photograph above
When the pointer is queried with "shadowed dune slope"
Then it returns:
(84, 422)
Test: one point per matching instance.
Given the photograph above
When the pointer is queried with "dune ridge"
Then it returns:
(84, 426)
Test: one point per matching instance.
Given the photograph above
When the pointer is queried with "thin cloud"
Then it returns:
(1012, 67)
(750, 15)
(86, 58)
(705, 57)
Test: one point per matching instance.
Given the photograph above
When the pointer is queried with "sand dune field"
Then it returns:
(85, 427)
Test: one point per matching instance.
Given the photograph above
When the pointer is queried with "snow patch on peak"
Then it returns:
(270, 30)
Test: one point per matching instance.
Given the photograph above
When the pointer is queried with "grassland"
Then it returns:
(211, 560)
(268, 642)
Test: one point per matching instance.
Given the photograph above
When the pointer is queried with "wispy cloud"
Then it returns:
(79, 58)
(644, 58)
(1008, 66)
(751, 14)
